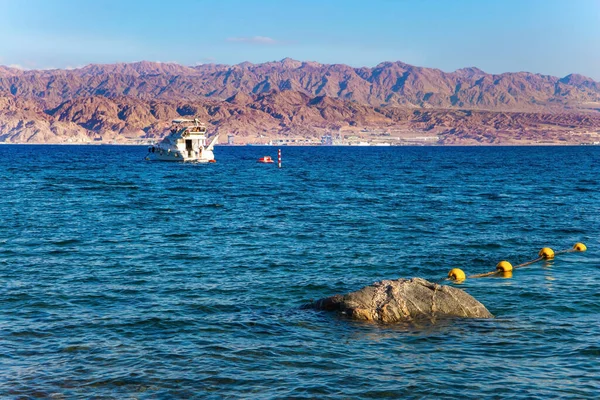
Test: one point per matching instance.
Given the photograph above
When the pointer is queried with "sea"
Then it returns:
(122, 278)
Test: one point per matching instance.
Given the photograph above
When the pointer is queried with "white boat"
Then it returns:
(186, 141)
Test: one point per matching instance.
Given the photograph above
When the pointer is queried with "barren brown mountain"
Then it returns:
(392, 101)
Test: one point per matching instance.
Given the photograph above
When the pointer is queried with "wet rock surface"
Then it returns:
(400, 300)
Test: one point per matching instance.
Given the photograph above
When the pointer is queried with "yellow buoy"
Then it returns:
(507, 274)
(546, 253)
(457, 274)
(579, 247)
(504, 266)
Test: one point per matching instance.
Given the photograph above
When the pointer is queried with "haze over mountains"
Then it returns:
(289, 98)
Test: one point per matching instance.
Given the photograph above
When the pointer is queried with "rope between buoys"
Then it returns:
(505, 268)
(531, 262)
(484, 275)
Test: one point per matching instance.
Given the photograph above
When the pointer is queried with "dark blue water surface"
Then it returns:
(121, 278)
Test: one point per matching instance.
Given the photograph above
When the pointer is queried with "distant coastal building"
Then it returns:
(230, 141)
(326, 140)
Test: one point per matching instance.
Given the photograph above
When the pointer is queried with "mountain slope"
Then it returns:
(389, 83)
(293, 99)
(288, 114)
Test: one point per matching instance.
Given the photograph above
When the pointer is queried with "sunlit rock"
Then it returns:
(404, 300)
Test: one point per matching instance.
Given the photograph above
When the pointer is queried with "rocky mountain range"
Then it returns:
(292, 99)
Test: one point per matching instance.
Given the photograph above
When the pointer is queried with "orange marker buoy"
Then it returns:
(265, 160)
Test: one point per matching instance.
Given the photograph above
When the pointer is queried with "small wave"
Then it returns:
(65, 242)
(583, 189)
(31, 334)
(571, 231)
(75, 348)
(590, 351)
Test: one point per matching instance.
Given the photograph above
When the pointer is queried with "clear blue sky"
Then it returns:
(546, 36)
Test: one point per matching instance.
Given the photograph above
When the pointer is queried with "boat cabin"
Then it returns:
(192, 132)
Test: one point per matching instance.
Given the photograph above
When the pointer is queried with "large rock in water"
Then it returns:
(405, 300)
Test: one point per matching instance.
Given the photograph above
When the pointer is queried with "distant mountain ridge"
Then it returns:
(389, 83)
(116, 102)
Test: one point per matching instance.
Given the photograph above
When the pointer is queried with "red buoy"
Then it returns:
(265, 160)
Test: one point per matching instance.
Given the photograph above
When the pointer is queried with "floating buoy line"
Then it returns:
(505, 269)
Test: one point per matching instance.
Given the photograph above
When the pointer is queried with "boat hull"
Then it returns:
(157, 155)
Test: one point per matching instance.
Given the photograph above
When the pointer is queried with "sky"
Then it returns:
(554, 37)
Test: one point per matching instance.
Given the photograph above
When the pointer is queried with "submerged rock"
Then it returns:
(404, 300)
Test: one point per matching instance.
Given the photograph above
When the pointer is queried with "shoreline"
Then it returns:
(317, 145)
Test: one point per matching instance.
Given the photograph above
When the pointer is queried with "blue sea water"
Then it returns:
(121, 278)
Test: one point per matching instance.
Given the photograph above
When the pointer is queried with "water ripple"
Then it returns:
(123, 278)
